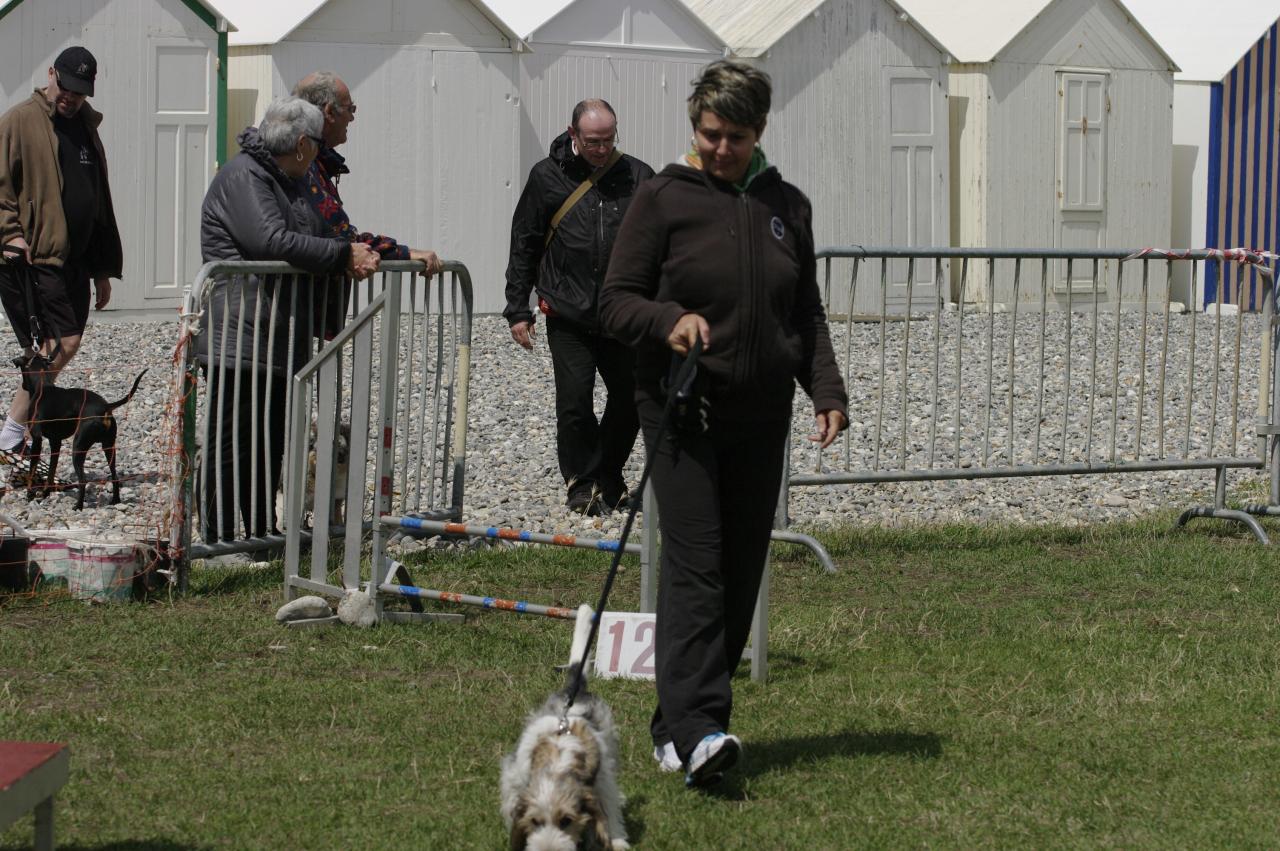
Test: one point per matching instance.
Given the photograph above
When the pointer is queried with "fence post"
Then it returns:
(388, 380)
(190, 389)
(760, 620)
(649, 551)
(1271, 346)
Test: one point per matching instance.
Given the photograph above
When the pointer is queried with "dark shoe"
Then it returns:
(616, 500)
(20, 474)
(614, 495)
(583, 499)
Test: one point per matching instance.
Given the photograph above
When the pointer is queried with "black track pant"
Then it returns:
(231, 429)
(716, 494)
(592, 451)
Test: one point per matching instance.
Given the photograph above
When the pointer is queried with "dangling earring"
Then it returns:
(299, 156)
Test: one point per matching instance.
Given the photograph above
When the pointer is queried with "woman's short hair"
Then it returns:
(735, 91)
(285, 120)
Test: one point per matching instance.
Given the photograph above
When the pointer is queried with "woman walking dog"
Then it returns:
(719, 248)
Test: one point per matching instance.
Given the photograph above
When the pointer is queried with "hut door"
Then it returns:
(178, 162)
(1082, 180)
(917, 179)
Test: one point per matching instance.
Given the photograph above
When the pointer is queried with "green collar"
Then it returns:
(759, 165)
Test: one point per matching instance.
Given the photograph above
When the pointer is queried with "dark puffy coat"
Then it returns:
(254, 211)
(745, 263)
(569, 273)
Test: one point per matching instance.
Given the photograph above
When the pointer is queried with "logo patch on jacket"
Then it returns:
(775, 225)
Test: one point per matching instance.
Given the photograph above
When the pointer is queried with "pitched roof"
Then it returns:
(1207, 38)
(977, 30)
(525, 16)
(7, 6)
(751, 27)
(267, 23)
(684, 6)
(271, 22)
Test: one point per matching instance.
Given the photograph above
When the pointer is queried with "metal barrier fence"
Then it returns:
(408, 422)
(1007, 363)
(250, 366)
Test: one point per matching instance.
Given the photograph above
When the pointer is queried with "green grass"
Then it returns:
(1114, 686)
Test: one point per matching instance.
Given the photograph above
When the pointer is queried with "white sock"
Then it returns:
(12, 435)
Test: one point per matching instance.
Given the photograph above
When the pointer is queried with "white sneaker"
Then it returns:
(667, 758)
(713, 756)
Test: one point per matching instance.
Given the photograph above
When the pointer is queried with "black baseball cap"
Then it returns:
(76, 69)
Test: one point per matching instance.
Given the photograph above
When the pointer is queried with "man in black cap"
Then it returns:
(56, 217)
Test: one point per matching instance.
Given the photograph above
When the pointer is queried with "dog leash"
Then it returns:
(682, 380)
(17, 258)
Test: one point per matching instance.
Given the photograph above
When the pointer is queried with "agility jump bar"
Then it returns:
(439, 527)
(472, 600)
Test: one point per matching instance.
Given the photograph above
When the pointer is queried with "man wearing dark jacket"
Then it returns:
(561, 236)
(55, 216)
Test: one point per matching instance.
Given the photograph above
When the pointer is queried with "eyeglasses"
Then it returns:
(319, 142)
(588, 142)
(349, 107)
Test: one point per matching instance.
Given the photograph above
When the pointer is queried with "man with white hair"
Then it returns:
(331, 95)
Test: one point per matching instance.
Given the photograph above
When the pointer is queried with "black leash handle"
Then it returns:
(682, 379)
(17, 258)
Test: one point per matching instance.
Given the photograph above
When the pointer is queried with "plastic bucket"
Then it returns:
(48, 549)
(101, 570)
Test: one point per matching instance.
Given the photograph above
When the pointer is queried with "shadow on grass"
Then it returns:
(784, 660)
(635, 826)
(222, 581)
(766, 756)
(136, 845)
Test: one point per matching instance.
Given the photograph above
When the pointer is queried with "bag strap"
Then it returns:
(582, 189)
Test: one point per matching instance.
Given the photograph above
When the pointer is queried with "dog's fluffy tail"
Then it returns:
(581, 635)
(112, 406)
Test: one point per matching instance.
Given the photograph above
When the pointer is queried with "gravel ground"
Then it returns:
(512, 477)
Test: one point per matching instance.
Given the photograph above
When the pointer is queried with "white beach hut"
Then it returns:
(640, 55)
(1061, 120)
(859, 118)
(162, 98)
(432, 151)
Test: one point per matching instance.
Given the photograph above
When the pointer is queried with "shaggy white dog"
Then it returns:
(559, 785)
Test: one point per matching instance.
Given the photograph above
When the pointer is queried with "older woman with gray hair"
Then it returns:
(256, 209)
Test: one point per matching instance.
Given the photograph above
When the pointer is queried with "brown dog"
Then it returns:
(62, 412)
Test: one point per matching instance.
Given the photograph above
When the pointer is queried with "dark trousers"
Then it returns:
(592, 451)
(231, 424)
(61, 296)
(717, 494)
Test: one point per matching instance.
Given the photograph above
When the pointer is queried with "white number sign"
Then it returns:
(624, 647)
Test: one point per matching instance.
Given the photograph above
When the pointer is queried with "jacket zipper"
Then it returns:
(749, 275)
(599, 262)
(600, 235)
